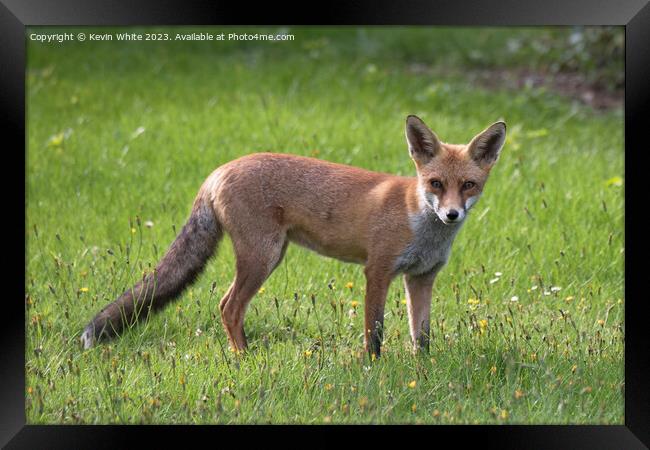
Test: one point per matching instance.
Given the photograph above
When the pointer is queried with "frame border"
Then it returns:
(15, 15)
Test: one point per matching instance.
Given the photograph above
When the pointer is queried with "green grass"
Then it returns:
(124, 133)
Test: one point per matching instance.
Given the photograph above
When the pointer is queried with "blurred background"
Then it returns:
(582, 62)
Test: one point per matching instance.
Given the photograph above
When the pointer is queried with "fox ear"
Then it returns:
(423, 143)
(486, 146)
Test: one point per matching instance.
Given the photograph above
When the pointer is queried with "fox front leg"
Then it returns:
(418, 303)
(377, 283)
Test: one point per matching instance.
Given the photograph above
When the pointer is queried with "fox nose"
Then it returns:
(452, 214)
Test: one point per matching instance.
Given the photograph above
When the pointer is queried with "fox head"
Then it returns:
(451, 177)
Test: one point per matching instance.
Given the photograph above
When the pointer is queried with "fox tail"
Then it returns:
(183, 262)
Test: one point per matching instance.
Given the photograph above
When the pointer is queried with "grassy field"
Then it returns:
(527, 318)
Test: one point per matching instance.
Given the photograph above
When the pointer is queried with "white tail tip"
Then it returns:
(88, 338)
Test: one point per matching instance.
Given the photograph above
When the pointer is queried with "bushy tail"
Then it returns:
(180, 266)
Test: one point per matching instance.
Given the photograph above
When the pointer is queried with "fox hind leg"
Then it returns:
(255, 263)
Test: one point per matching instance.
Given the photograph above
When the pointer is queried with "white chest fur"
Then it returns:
(430, 246)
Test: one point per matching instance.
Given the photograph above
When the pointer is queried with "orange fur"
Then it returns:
(388, 223)
(264, 200)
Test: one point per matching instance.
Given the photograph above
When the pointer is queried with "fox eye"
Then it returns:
(436, 184)
(468, 185)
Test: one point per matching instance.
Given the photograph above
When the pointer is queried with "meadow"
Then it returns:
(527, 317)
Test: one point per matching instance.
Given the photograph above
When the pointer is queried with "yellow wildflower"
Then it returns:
(56, 140)
(412, 384)
(349, 285)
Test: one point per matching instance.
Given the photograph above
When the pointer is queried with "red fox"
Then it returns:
(391, 224)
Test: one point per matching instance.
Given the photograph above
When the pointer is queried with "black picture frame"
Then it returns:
(634, 15)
